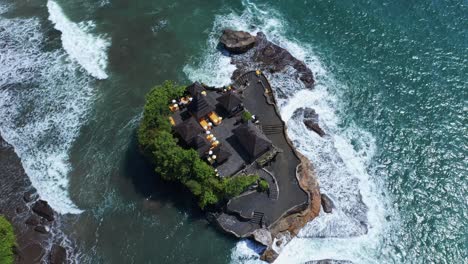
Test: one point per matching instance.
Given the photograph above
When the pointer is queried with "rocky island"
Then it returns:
(230, 148)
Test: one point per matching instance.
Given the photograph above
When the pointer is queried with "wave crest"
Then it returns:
(43, 101)
(88, 50)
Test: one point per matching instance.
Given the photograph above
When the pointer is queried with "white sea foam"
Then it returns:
(342, 158)
(89, 50)
(213, 69)
(44, 98)
(3, 9)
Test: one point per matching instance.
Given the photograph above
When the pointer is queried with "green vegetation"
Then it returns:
(7, 241)
(263, 185)
(174, 163)
(246, 116)
(237, 185)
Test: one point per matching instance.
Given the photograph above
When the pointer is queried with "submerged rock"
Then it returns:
(30, 196)
(43, 209)
(32, 253)
(237, 41)
(58, 255)
(327, 203)
(33, 220)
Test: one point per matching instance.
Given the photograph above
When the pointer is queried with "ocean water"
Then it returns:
(391, 93)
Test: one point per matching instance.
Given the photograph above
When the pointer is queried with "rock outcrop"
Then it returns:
(42, 208)
(262, 236)
(327, 204)
(33, 221)
(258, 53)
(310, 119)
(237, 42)
(58, 255)
(271, 58)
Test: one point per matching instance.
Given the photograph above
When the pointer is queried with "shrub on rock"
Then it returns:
(7, 241)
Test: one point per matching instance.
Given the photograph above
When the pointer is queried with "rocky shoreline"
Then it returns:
(34, 221)
(256, 52)
(289, 226)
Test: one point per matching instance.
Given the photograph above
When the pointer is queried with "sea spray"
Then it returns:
(44, 99)
(341, 158)
(88, 50)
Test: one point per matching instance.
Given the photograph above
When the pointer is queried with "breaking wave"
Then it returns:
(44, 99)
(342, 159)
(88, 50)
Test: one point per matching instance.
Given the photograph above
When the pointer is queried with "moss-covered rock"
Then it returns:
(7, 241)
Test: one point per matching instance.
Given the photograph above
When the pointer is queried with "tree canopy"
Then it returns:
(174, 163)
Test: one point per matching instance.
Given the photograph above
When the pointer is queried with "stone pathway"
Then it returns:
(283, 167)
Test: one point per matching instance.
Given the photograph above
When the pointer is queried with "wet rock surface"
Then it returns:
(58, 255)
(32, 231)
(42, 229)
(327, 204)
(43, 209)
(310, 119)
(269, 255)
(32, 253)
(271, 58)
(237, 42)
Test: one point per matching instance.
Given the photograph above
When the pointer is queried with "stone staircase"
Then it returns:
(257, 218)
(272, 129)
(273, 190)
(249, 76)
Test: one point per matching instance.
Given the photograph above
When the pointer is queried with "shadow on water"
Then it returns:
(150, 185)
(159, 192)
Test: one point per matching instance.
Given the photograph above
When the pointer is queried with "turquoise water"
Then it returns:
(391, 95)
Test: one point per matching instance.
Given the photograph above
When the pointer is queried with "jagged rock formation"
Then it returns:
(310, 119)
(270, 58)
(237, 42)
(31, 218)
(43, 209)
(327, 204)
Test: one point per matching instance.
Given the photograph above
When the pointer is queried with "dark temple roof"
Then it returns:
(229, 101)
(195, 88)
(222, 154)
(200, 107)
(201, 144)
(252, 140)
(188, 129)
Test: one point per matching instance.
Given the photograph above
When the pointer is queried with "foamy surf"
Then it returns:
(88, 50)
(342, 159)
(44, 98)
